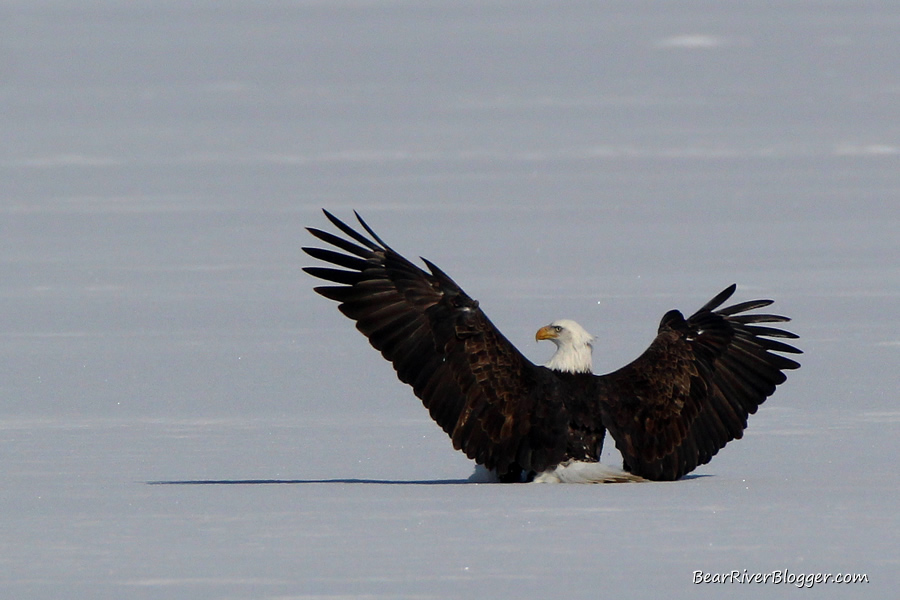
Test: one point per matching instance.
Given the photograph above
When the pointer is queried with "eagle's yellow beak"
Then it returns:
(545, 333)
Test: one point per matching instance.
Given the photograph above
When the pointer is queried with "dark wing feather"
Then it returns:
(691, 392)
(498, 408)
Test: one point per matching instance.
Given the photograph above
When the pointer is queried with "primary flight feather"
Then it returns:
(669, 411)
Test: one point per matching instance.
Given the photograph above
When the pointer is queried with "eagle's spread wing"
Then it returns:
(499, 408)
(690, 393)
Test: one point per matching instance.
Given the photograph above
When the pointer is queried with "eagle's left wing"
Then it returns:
(497, 406)
(692, 390)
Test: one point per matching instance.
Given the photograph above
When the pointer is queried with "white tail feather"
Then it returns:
(574, 471)
(483, 475)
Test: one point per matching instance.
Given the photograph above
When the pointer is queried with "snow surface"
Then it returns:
(597, 161)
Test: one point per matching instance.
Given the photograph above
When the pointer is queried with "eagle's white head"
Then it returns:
(573, 346)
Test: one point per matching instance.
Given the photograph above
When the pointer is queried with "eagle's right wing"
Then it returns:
(499, 408)
(691, 392)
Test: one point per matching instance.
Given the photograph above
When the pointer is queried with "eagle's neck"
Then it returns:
(571, 358)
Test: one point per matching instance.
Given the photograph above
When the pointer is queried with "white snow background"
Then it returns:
(602, 161)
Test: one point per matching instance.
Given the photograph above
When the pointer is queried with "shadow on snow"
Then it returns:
(345, 480)
(306, 481)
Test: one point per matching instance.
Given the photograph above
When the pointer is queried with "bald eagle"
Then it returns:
(669, 411)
